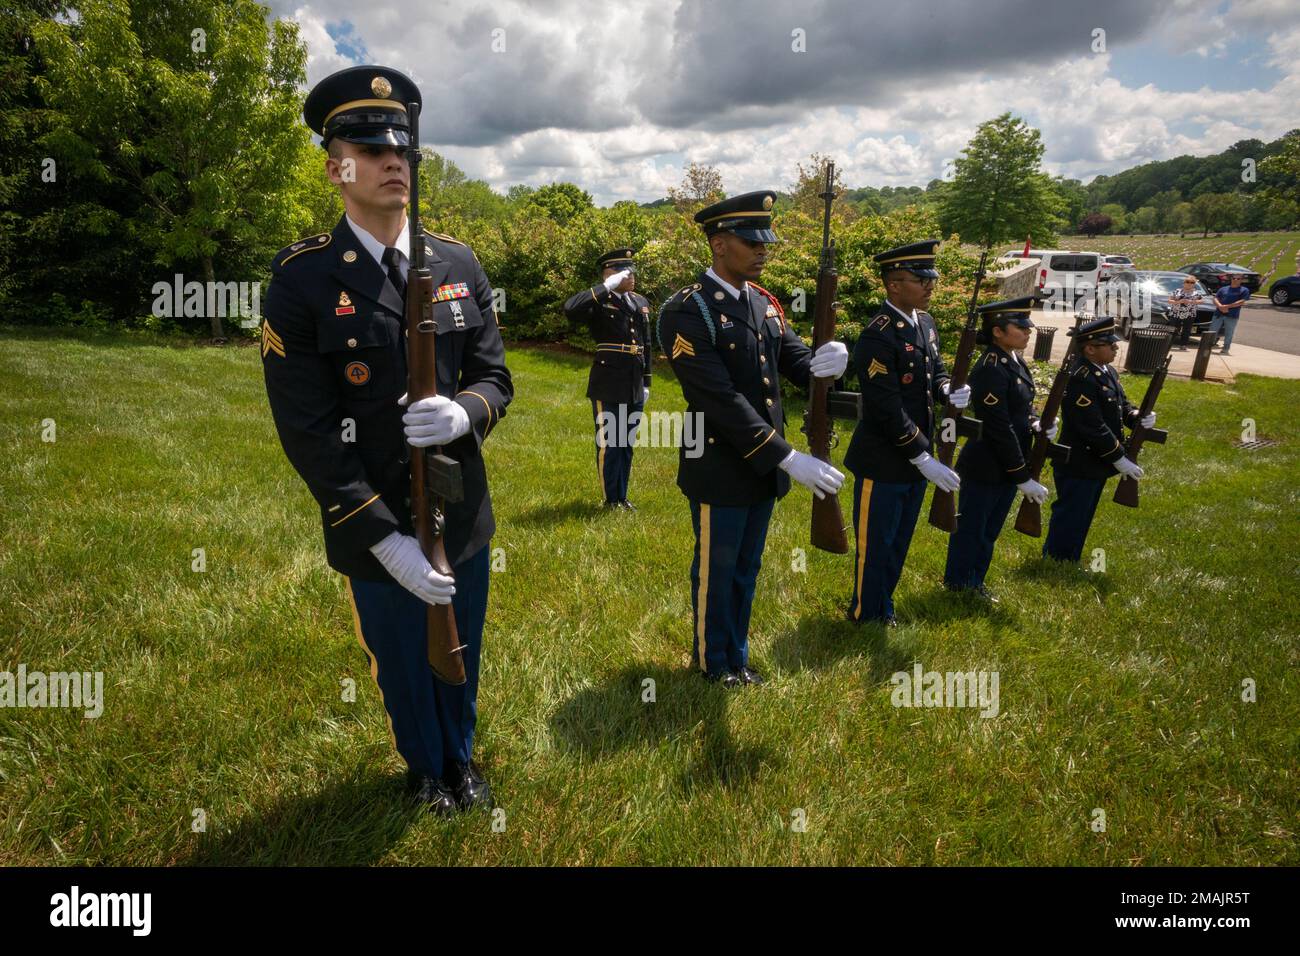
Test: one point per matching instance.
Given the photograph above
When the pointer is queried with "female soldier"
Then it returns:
(993, 467)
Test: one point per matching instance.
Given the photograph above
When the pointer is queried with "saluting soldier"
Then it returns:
(992, 467)
(619, 383)
(729, 343)
(1094, 412)
(334, 358)
(902, 377)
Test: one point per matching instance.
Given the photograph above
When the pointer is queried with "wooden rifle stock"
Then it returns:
(943, 505)
(827, 518)
(1126, 493)
(1029, 519)
(427, 506)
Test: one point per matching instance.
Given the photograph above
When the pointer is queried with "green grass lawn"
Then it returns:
(1119, 691)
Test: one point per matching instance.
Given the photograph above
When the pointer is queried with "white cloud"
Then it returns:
(565, 102)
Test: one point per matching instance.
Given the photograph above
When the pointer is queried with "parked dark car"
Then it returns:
(1285, 291)
(1130, 296)
(1212, 275)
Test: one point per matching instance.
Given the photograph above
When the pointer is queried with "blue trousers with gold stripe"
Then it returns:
(728, 554)
(432, 723)
(982, 508)
(614, 450)
(884, 514)
(1072, 514)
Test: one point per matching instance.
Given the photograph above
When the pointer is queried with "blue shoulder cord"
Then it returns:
(704, 312)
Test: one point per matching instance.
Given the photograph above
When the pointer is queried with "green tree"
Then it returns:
(1118, 217)
(1144, 220)
(1279, 175)
(1217, 211)
(1163, 203)
(809, 184)
(700, 186)
(560, 201)
(998, 191)
(194, 107)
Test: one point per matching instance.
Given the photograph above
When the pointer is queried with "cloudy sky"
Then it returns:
(619, 97)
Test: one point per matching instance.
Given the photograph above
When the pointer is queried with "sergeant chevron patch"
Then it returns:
(682, 347)
(876, 368)
(270, 341)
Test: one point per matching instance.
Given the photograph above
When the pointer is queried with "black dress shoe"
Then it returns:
(986, 594)
(436, 796)
(612, 505)
(890, 621)
(725, 678)
(750, 676)
(627, 505)
(471, 789)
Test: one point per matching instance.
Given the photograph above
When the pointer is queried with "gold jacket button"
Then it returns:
(770, 403)
(352, 343)
(710, 440)
(733, 345)
(767, 381)
(761, 358)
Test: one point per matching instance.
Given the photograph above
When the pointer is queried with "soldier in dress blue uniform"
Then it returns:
(902, 377)
(334, 358)
(992, 467)
(619, 383)
(1093, 415)
(729, 343)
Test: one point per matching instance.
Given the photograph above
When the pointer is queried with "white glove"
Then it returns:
(1148, 420)
(612, 282)
(813, 473)
(1128, 468)
(960, 397)
(1033, 491)
(646, 397)
(829, 361)
(401, 556)
(436, 420)
(936, 471)
(1037, 426)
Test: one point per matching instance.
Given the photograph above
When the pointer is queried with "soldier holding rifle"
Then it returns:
(902, 377)
(335, 358)
(729, 344)
(1093, 413)
(993, 467)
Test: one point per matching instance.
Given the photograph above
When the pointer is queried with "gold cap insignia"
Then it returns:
(380, 86)
(767, 202)
(343, 299)
(350, 256)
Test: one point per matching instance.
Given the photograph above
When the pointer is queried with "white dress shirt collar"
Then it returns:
(727, 286)
(911, 318)
(376, 248)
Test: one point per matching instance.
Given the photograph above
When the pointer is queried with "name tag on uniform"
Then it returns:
(456, 290)
(457, 316)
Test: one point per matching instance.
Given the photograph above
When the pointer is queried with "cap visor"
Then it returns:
(376, 137)
(756, 235)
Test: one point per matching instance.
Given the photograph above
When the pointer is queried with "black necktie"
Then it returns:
(395, 271)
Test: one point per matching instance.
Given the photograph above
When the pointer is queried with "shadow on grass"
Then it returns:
(614, 716)
(1065, 574)
(818, 643)
(552, 514)
(353, 823)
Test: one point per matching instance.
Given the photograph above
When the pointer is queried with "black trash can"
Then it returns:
(1043, 343)
(1147, 349)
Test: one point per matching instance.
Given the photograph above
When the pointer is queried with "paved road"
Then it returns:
(1267, 326)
